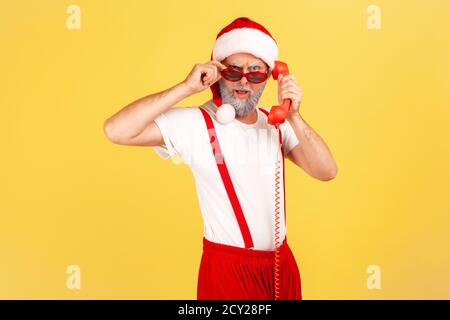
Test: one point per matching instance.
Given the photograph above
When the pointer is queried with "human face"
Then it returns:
(243, 95)
(244, 62)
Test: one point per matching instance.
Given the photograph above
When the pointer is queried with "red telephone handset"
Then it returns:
(279, 113)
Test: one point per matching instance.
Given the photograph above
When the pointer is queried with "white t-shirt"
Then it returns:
(250, 152)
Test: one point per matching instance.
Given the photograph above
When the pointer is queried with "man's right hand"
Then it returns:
(202, 76)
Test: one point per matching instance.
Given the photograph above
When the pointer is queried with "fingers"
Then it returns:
(288, 77)
(289, 89)
(288, 81)
(289, 85)
(279, 79)
(210, 75)
(218, 64)
(212, 72)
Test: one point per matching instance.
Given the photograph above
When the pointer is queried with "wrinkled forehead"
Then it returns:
(240, 62)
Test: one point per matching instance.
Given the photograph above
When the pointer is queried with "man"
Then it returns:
(237, 160)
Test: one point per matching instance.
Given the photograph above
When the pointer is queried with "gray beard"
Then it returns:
(242, 107)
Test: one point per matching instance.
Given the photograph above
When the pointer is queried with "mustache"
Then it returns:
(243, 88)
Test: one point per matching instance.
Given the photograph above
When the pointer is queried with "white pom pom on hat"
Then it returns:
(241, 35)
(226, 113)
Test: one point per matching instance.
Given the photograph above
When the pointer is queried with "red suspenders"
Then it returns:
(224, 174)
(227, 180)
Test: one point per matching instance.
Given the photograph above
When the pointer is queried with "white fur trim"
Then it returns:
(247, 40)
(225, 113)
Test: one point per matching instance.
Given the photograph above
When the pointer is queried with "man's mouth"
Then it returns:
(242, 93)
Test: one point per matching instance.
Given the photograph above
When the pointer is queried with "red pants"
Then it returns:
(233, 273)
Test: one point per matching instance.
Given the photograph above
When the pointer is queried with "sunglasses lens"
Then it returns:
(253, 77)
(256, 77)
(231, 75)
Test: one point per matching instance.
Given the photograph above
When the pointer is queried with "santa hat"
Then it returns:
(241, 35)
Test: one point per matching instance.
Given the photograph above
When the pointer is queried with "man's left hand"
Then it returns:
(289, 88)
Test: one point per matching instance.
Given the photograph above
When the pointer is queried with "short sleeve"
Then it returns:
(177, 126)
(289, 138)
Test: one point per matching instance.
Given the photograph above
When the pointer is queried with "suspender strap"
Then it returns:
(221, 165)
(280, 139)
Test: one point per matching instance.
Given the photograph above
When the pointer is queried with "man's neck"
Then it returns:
(249, 118)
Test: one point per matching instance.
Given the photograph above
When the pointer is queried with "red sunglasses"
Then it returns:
(235, 75)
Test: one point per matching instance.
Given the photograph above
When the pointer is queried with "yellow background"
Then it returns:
(379, 98)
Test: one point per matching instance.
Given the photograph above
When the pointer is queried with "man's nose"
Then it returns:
(244, 79)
